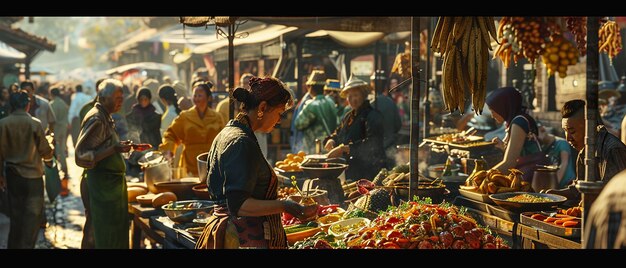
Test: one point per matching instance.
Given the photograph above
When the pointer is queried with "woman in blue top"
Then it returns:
(520, 140)
(560, 153)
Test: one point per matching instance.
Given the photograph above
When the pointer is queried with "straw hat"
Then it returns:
(317, 77)
(354, 82)
(332, 85)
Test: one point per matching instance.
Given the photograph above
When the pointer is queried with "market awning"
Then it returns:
(189, 35)
(359, 39)
(140, 65)
(353, 24)
(9, 54)
(137, 37)
(256, 35)
(24, 42)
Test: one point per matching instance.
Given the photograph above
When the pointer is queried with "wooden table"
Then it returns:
(173, 237)
(140, 224)
(532, 238)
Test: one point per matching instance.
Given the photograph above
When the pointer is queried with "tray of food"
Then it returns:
(553, 223)
(454, 139)
(475, 195)
(523, 201)
(474, 144)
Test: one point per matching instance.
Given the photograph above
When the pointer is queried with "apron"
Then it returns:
(227, 231)
(109, 202)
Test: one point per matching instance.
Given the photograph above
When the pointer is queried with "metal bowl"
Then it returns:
(324, 170)
(182, 189)
(518, 207)
(178, 212)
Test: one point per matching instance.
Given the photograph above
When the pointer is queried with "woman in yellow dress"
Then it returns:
(194, 128)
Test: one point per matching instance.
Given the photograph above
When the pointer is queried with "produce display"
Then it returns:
(573, 211)
(291, 162)
(561, 220)
(578, 27)
(558, 54)
(284, 192)
(610, 39)
(464, 44)
(413, 225)
(493, 181)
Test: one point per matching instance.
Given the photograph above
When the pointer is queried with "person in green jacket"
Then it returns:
(98, 150)
(318, 118)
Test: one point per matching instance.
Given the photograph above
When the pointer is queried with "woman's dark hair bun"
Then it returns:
(241, 94)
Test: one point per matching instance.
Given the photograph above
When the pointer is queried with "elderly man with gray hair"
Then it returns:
(98, 150)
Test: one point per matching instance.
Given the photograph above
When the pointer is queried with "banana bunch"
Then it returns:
(493, 181)
(610, 39)
(578, 27)
(464, 44)
(558, 54)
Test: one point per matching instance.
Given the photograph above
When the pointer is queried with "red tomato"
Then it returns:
(446, 238)
(425, 244)
(458, 244)
(393, 233)
(392, 220)
(489, 246)
(370, 243)
(390, 245)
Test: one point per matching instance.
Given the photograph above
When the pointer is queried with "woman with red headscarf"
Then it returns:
(520, 145)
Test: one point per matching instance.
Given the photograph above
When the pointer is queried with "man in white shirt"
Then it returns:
(79, 99)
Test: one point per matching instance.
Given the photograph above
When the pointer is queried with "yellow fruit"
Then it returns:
(562, 54)
(290, 156)
(564, 62)
(302, 154)
(554, 58)
(562, 74)
(562, 69)
(279, 163)
(298, 159)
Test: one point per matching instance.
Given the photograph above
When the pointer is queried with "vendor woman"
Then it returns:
(241, 180)
(359, 137)
(520, 144)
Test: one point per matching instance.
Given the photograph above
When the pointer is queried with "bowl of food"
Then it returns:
(522, 201)
(344, 227)
(187, 211)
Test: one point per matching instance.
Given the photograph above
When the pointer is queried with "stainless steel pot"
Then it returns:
(154, 173)
(544, 179)
(203, 166)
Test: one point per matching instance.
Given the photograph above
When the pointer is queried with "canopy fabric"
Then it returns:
(256, 35)
(178, 34)
(141, 65)
(360, 39)
(136, 38)
(7, 53)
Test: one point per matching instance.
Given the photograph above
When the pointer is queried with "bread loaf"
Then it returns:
(133, 192)
(163, 198)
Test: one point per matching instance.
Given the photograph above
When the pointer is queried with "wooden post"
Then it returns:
(590, 187)
(414, 98)
(231, 68)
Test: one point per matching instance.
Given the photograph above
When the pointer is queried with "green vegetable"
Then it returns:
(312, 224)
(296, 230)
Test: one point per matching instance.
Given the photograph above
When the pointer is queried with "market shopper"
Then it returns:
(520, 145)
(98, 150)
(318, 117)
(21, 171)
(605, 224)
(79, 99)
(610, 151)
(195, 128)
(5, 106)
(331, 91)
(60, 110)
(169, 98)
(359, 137)
(39, 107)
(560, 153)
(242, 182)
(391, 117)
(143, 127)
